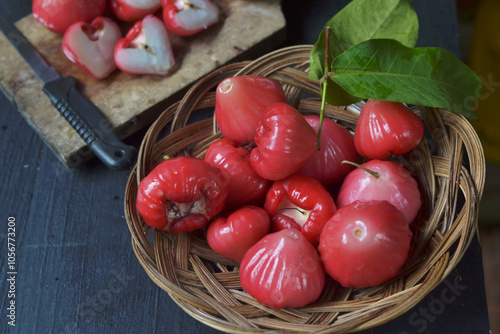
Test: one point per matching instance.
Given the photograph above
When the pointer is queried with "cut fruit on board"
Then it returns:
(131, 102)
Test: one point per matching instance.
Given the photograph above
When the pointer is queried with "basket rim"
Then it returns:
(458, 169)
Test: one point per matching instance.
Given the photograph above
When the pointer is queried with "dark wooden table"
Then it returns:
(76, 271)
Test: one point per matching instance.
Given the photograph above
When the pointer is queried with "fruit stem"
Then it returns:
(324, 86)
(374, 174)
(302, 212)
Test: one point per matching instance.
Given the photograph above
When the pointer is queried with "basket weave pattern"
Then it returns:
(448, 166)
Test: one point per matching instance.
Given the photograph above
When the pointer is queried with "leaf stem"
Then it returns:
(324, 85)
(322, 113)
(369, 171)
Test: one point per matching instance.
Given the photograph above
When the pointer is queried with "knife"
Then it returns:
(81, 113)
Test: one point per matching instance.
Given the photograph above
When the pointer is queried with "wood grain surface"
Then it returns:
(130, 102)
(77, 272)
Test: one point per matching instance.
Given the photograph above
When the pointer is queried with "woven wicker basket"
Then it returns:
(448, 165)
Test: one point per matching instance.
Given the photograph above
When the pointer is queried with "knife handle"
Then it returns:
(89, 123)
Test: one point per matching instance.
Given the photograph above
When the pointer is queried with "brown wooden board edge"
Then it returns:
(82, 153)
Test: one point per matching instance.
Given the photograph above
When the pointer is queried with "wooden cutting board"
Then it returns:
(130, 102)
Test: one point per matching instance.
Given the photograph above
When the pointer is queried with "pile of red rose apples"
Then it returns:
(264, 193)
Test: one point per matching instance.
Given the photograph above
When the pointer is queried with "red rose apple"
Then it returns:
(188, 17)
(240, 103)
(301, 202)
(392, 183)
(91, 46)
(385, 128)
(282, 269)
(284, 142)
(181, 194)
(134, 10)
(146, 49)
(245, 185)
(233, 235)
(365, 243)
(336, 145)
(58, 15)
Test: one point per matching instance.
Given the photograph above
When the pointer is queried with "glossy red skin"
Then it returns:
(283, 270)
(240, 103)
(365, 244)
(57, 15)
(95, 31)
(170, 12)
(232, 236)
(246, 187)
(128, 13)
(387, 128)
(394, 185)
(188, 186)
(284, 140)
(302, 200)
(336, 145)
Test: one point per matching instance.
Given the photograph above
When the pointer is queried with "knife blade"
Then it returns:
(76, 108)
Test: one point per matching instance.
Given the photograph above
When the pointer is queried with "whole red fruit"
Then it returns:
(336, 145)
(365, 243)
(284, 142)
(393, 184)
(246, 187)
(233, 235)
(282, 270)
(301, 202)
(181, 194)
(58, 15)
(385, 128)
(240, 102)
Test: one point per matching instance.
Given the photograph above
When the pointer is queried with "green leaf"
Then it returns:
(360, 21)
(338, 96)
(385, 69)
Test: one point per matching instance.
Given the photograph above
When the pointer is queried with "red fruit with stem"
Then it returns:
(384, 180)
(336, 145)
